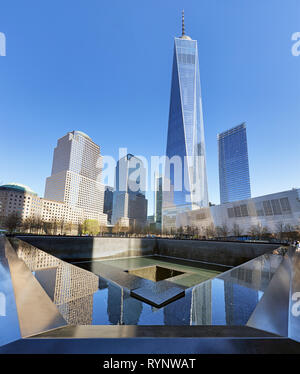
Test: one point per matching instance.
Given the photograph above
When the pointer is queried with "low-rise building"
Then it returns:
(21, 199)
(273, 212)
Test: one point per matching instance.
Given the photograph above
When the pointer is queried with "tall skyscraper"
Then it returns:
(158, 200)
(185, 141)
(76, 175)
(129, 202)
(108, 202)
(233, 165)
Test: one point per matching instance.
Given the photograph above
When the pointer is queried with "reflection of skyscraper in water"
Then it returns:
(114, 309)
(178, 312)
(121, 308)
(201, 311)
(240, 302)
(70, 287)
(132, 309)
(2, 304)
(78, 311)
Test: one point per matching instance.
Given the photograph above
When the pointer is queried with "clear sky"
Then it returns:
(104, 67)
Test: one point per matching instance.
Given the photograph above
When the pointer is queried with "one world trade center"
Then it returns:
(185, 185)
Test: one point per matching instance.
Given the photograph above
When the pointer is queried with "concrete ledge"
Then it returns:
(87, 248)
(225, 253)
(129, 331)
(188, 345)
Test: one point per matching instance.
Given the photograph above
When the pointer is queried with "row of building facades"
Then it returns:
(74, 192)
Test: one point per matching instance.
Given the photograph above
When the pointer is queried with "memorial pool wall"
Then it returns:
(90, 248)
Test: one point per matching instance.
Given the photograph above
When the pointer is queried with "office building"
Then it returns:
(158, 197)
(185, 184)
(234, 176)
(108, 202)
(76, 175)
(129, 202)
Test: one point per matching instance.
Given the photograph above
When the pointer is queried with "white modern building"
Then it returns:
(269, 211)
(76, 176)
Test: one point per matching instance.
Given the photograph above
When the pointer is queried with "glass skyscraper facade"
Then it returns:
(129, 202)
(185, 141)
(233, 165)
(158, 200)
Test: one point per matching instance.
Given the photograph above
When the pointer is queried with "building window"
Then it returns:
(276, 207)
(285, 205)
(244, 210)
(267, 208)
(237, 211)
(230, 212)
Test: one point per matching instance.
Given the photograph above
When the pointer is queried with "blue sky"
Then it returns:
(104, 67)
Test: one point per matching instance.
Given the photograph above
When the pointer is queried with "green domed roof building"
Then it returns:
(18, 187)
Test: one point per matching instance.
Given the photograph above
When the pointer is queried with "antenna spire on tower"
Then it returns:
(183, 36)
(183, 33)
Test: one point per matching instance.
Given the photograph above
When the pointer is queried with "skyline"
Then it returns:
(266, 96)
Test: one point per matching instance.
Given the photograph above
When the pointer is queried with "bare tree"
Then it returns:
(102, 229)
(79, 229)
(68, 227)
(47, 226)
(54, 227)
(26, 224)
(190, 230)
(12, 222)
(279, 230)
(236, 230)
(116, 228)
(180, 231)
(222, 231)
(297, 230)
(258, 231)
(210, 231)
(61, 225)
(30, 223)
(288, 231)
(38, 224)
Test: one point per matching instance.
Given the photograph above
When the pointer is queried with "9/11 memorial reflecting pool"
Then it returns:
(145, 291)
(226, 299)
(114, 303)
